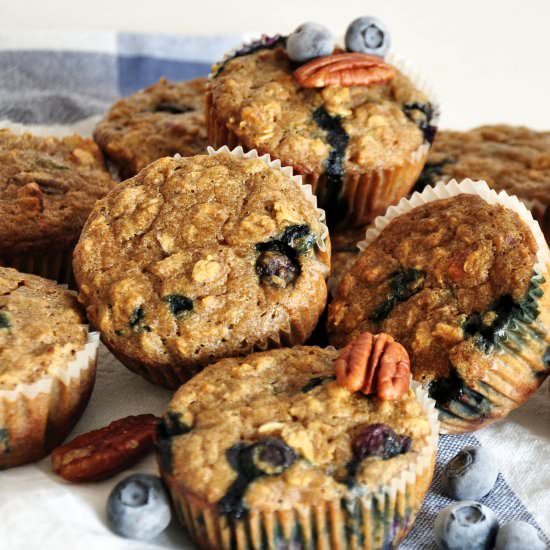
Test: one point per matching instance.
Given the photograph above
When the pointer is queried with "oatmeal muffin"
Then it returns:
(458, 276)
(509, 158)
(47, 189)
(159, 121)
(344, 252)
(269, 451)
(360, 143)
(47, 366)
(199, 258)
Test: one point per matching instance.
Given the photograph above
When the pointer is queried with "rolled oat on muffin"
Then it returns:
(48, 187)
(47, 366)
(457, 274)
(199, 258)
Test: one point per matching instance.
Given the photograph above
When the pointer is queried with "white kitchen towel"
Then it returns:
(61, 83)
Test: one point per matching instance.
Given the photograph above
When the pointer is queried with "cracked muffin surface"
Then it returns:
(161, 120)
(48, 187)
(454, 281)
(202, 257)
(288, 401)
(41, 328)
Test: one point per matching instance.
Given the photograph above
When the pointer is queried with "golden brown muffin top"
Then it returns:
(442, 279)
(201, 257)
(161, 120)
(260, 100)
(509, 158)
(47, 189)
(285, 400)
(41, 328)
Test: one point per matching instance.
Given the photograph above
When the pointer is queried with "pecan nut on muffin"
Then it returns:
(161, 120)
(47, 189)
(47, 366)
(203, 257)
(458, 274)
(355, 126)
(509, 158)
(271, 451)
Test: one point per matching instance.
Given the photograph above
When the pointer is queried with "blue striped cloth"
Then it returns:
(50, 79)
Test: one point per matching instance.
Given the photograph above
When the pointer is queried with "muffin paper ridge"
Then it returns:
(443, 190)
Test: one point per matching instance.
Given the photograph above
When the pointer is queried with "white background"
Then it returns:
(488, 60)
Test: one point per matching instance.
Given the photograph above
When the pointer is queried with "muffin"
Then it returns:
(509, 158)
(344, 252)
(161, 120)
(47, 189)
(458, 275)
(269, 451)
(47, 366)
(360, 142)
(199, 258)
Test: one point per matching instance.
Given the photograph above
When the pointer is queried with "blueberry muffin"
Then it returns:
(161, 120)
(509, 158)
(344, 252)
(47, 189)
(47, 366)
(269, 451)
(355, 127)
(199, 258)
(458, 276)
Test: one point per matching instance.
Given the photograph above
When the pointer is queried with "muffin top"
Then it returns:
(279, 421)
(41, 328)
(258, 98)
(201, 257)
(509, 158)
(446, 279)
(47, 189)
(161, 120)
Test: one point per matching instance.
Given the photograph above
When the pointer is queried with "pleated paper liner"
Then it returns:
(300, 321)
(51, 264)
(520, 362)
(377, 519)
(367, 194)
(35, 418)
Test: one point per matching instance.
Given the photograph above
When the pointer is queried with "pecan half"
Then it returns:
(372, 363)
(102, 453)
(344, 69)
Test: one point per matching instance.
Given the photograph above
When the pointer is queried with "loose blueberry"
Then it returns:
(138, 507)
(470, 475)
(309, 40)
(465, 525)
(519, 535)
(368, 35)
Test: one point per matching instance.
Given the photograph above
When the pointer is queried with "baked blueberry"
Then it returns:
(465, 525)
(368, 35)
(379, 440)
(277, 267)
(270, 456)
(309, 40)
(470, 474)
(138, 507)
(519, 535)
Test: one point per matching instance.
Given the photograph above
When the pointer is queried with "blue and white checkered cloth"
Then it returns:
(61, 83)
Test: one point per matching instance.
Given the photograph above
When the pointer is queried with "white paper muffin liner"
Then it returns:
(368, 193)
(373, 520)
(36, 416)
(451, 189)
